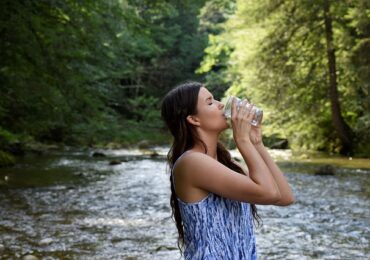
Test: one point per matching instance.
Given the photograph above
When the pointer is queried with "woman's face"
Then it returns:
(210, 112)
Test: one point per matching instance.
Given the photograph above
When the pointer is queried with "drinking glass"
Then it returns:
(257, 119)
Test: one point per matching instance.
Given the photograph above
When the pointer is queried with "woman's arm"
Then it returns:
(259, 172)
(197, 171)
(286, 193)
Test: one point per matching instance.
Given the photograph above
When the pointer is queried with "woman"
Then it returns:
(212, 197)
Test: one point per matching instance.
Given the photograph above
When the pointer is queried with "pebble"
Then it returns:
(46, 241)
(29, 257)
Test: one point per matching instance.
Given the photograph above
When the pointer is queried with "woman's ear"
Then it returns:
(193, 120)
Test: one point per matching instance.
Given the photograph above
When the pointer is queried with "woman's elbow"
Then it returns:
(286, 201)
(275, 196)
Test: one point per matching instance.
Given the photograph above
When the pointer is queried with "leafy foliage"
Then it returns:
(278, 59)
(74, 71)
(88, 72)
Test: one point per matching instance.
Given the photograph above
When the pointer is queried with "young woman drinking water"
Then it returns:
(213, 198)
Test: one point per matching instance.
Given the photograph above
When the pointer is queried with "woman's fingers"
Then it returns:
(242, 111)
(234, 109)
(251, 113)
(247, 111)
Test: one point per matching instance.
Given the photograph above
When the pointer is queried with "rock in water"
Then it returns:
(325, 170)
(114, 162)
(98, 154)
(281, 144)
(46, 241)
(154, 154)
(143, 144)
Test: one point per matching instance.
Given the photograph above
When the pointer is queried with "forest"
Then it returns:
(92, 73)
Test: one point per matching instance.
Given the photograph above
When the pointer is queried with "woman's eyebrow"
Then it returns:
(210, 97)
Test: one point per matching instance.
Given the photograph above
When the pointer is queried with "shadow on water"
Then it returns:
(73, 205)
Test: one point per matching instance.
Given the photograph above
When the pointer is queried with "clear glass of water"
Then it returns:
(257, 119)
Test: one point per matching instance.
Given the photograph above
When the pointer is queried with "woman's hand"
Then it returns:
(255, 135)
(241, 120)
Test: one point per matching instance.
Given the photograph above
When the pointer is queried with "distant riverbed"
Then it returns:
(69, 204)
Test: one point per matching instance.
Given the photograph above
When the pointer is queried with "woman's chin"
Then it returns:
(226, 126)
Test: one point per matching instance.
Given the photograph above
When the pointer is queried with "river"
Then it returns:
(70, 205)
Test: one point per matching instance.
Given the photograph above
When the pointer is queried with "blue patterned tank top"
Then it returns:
(218, 228)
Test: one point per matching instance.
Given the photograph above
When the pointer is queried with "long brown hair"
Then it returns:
(176, 106)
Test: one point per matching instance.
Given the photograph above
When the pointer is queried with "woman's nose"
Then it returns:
(220, 105)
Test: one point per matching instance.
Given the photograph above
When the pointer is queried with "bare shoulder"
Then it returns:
(187, 170)
(194, 161)
(195, 167)
(199, 170)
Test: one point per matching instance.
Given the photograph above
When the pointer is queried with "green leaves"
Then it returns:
(274, 53)
(72, 66)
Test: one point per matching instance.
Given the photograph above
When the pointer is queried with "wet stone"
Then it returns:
(325, 170)
(114, 162)
(46, 241)
(98, 154)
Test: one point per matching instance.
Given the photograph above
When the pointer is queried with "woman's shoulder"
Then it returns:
(191, 160)
(189, 155)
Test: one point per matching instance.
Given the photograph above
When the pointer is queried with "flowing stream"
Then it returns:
(70, 205)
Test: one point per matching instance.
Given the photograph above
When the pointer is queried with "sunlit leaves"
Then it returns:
(278, 59)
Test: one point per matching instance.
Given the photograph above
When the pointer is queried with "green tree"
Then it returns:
(296, 60)
(215, 65)
(71, 69)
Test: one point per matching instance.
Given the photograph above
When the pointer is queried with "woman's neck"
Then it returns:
(211, 144)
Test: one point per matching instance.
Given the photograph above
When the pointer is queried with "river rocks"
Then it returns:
(40, 148)
(150, 153)
(281, 144)
(325, 170)
(165, 248)
(29, 257)
(114, 162)
(154, 154)
(144, 144)
(46, 241)
(115, 145)
(98, 154)
(275, 142)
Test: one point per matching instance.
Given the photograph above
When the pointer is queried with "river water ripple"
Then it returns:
(80, 207)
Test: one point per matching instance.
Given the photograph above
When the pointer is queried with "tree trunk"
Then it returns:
(343, 130)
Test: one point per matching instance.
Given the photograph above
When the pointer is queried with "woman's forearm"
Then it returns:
(258, 170)
(286, 193)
